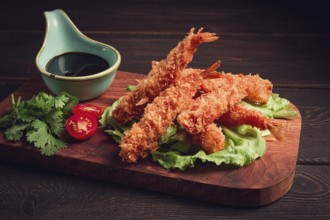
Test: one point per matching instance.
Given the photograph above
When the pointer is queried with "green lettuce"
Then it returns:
(116, 129)
(276, 107)
(243, 144)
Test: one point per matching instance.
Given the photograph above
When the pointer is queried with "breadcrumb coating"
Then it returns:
(161, 76)
(222, 93)
(198, 100)
(158, 115)
(211, 139)
(240, 115)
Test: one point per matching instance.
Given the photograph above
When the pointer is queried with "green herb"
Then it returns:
(106, 120)
(243, 145)
(130, 88)
(40, 120)
(276, 107)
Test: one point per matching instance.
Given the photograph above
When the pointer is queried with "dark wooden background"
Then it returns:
(285, 41)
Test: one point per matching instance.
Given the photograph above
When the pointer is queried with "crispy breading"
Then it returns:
(161, 76)
(193, 98)
(211, 140)
(258, 89)
(240, 115)
(197, 115)
(222, 92)
(158, 115)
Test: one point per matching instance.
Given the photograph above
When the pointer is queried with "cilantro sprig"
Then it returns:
(40, 120)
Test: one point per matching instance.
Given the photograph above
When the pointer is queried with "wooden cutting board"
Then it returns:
(260, 183)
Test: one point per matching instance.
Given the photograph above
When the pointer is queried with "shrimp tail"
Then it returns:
(205, 36)
(277, 129)
(210, 72)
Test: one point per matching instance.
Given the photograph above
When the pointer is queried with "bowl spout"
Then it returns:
(61, 34)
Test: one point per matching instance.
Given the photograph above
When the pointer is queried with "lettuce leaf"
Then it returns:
(276, 107)
(243, 144)
(116, 129)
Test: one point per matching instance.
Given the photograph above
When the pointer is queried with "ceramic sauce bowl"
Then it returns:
(66, 53)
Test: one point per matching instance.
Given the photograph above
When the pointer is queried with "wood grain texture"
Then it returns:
(262, 182)
(276, 57)
(285, 41)
(30, 192)
(172, 16)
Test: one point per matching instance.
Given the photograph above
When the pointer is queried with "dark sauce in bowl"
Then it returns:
(76, 64)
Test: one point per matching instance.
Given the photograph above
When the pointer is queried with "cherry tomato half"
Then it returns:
(88, 109)
(81, 126)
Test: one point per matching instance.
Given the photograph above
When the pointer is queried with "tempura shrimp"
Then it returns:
(161, 76)
(239, 115)
(158, 115)
(211, 139)
(222, 92)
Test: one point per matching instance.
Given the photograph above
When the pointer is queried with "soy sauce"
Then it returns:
(76, 64)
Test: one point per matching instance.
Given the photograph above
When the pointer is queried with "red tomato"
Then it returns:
(81, 126)
(88, 109)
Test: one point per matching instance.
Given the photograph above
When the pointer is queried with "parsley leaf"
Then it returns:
(6, 121)
(41, 120)
(43, 138)
(15, 133)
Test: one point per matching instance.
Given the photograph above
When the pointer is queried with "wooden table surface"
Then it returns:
(284, 42)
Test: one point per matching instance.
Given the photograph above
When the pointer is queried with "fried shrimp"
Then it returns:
(211, 140)
(239, 115)
(222, 92)
(162, 75)
(158, 115)
(198, 100)
(258, 90)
